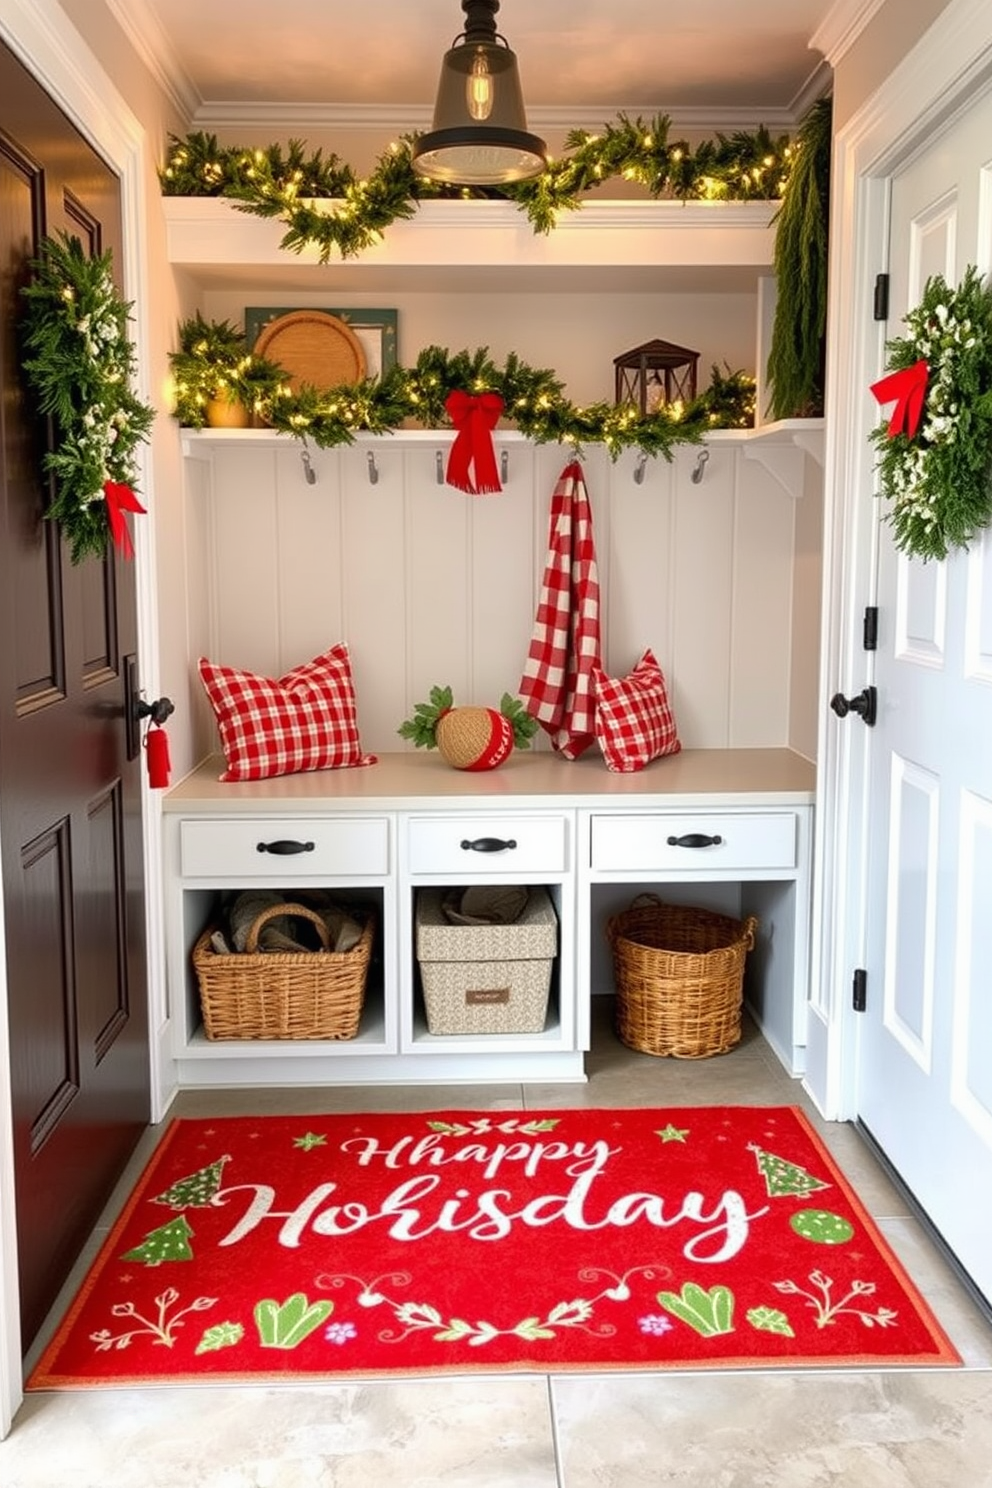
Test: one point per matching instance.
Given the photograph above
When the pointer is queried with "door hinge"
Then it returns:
(880, 304)
(859, 990)
(870, 641)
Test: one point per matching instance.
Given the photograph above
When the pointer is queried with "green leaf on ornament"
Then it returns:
(523, 725)
(421, 728)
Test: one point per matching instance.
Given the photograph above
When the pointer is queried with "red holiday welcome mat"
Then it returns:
(285, 1247)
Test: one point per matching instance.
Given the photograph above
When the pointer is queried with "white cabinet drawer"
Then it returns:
(274, 848)
(464, 846)
(693, 843)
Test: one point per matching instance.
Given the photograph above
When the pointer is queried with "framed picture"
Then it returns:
(375, 329)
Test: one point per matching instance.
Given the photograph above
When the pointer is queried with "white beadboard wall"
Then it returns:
(429, 585)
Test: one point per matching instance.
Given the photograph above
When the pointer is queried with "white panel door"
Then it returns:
(925, 1074)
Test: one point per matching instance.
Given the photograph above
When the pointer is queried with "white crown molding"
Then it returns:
(841, 27)
(151, 41)
(410, 118)
(819, 83)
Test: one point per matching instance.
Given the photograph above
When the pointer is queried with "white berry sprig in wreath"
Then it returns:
(80, 363)
(935, 449)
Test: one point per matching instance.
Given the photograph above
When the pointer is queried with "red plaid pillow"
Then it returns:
(634, 722)
(304, 721)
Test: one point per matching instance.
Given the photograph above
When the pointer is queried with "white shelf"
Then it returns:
(681, 246)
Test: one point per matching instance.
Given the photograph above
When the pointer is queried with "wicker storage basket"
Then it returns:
(283, 994)
(679, 976)
(486, 978)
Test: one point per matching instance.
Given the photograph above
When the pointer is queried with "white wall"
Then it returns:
(576, 336)
(432, 586)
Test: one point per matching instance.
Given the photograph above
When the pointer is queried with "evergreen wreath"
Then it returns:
(80, 362)
(935, 450)
(213, 358)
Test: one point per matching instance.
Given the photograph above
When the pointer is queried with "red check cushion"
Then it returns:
(305, 720)
(634, 722)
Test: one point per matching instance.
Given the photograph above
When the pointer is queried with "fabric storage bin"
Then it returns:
(679, 975)
(486, 978)
(258, 994)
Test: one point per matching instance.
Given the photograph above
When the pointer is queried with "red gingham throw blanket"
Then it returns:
(565, 646)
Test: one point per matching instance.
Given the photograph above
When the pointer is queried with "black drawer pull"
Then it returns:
(285, 847)
(694, 839)
(488, 844)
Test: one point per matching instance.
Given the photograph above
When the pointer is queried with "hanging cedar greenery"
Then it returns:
(795, 362)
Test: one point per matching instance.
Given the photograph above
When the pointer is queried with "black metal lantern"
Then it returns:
(656, 375)
(479, 135)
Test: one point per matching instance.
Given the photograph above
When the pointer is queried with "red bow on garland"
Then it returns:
(121, 498)
(909, 387)
(475, 416)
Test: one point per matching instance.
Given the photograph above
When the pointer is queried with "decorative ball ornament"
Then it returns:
(474, 738)
(469, 738)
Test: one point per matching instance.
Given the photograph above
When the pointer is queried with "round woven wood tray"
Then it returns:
(313, 347)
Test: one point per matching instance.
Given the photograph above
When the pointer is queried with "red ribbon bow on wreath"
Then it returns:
(475, 416)
(121, 498)
(909, 387)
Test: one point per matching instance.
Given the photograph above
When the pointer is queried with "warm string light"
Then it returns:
(748, 167)
(213, 356)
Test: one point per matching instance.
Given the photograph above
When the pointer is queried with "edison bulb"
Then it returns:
(479, 87)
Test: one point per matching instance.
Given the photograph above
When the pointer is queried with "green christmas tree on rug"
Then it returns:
(170, 1242)
(196, 1190)
(784, 1178)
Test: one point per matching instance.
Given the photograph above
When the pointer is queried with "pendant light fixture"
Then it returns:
(479, 135)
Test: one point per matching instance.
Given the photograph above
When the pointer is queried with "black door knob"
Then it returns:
(158, 710)
(865, 705)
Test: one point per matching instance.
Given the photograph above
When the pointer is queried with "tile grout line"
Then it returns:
(555, 1436)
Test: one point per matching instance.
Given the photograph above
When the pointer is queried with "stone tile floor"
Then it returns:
(899, 1428)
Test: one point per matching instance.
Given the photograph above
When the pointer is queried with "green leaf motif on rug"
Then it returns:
(170, 1242)
(770, 1320)
(196, 1190)
(822, 1227)
(284, 1325)
(220, 1336)
(709, 1313)
(783, 1178)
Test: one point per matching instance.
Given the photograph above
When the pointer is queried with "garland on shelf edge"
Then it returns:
(80, 362)
(743, 166)
(935, 449)
(272, 183)
(213, 360)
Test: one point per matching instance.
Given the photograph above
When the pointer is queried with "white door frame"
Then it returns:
(39, 34)
(947, 68)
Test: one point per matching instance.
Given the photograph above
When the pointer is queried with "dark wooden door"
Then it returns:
(70, 808)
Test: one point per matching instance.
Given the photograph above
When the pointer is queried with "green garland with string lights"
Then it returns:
(213, 360)
(283, 183)
(290, 184)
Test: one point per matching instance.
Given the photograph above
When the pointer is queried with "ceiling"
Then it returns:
(747, 60)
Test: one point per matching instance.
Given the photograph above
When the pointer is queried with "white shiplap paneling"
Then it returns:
(430, 585)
